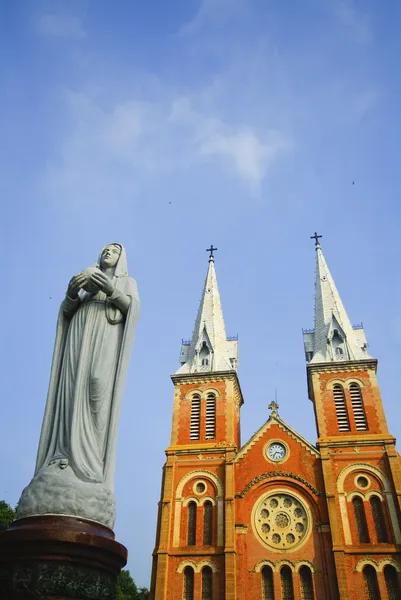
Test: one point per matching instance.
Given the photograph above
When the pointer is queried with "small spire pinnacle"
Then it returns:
(211, 250)
(273, 406)
(316, 238)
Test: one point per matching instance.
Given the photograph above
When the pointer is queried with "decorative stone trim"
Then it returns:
(263, 563)
(197, 567)
(271, 474)
(276, 420)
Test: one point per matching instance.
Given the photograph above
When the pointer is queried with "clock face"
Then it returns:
(276, 451)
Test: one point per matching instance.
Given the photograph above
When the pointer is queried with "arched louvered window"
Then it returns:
(357, 407)
(360, 519)
(341, 407)
(188, 583)
(267, 584)
(210, 417)
(305, 575)
(207, 523)
(287, 586)
(207, 583)
(194, 432)
(371, 585)
(378, 519)
(392, 583)
(191, 538)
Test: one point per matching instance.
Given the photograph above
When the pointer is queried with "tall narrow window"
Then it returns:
(207, 523)
(392, 583)
(191, 539)
(379, 520)
(207, 583)
(210, 417)
(371, 585)
(360, 519)
(188, 583)
(357, 407)
(287, 587)
(267, 584)
(341, 408)
(195, 418)
(305, 575)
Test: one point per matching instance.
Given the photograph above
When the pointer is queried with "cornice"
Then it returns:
(199, 378)
(346, 365)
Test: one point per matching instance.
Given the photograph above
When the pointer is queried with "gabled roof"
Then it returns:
(209, 338)
(332, 321)
(275, 419)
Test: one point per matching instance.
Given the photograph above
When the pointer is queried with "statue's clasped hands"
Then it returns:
(98, 279)
(103, 282)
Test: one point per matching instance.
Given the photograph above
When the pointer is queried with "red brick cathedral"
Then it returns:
(279, 518)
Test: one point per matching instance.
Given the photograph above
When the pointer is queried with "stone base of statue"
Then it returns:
(52, 557)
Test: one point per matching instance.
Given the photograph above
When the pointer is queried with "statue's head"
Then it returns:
(109, 256)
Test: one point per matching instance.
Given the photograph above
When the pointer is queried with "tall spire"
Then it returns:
(209, 348)
(334, 338)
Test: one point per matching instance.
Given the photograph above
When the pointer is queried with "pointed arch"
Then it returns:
(371, 583)
(287, 584)
(189, 579)
(207, 523)
(392, 581)
(194, 428)
(207, 583)
(210, 421)
(358, 407)
(306, 581)
(379, 520)
(199, 473)
(267, 583)
(191, 531)
(360, 520)
(341, 407)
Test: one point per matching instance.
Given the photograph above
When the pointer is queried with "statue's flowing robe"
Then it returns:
(90, 362)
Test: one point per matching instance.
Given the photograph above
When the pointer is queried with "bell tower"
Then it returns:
(361, 467)
(194, 546)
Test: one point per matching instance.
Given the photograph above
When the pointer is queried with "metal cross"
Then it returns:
(211, 250)
(273, 406)
(316, 238)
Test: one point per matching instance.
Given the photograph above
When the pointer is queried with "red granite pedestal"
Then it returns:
(59, 558)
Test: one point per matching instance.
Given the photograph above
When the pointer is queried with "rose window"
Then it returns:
(280, 521)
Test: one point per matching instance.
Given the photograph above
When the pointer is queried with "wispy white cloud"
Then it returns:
(108, 149)
(63, 26)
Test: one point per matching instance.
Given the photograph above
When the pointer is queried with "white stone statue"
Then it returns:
(76, 458)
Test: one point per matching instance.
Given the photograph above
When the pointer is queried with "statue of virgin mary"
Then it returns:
(95, 330)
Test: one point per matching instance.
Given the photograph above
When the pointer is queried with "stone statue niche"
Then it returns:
(74, 473)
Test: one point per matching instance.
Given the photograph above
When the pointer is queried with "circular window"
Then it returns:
(362, 482)
(281, 521)
(199, 487)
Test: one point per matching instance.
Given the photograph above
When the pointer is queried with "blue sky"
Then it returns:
(169, 126)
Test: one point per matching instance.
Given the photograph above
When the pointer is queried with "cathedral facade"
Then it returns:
(279, 518)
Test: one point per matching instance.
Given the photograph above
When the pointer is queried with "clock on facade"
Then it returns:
(276, 451)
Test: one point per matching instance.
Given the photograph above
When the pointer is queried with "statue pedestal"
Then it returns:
(51, 557)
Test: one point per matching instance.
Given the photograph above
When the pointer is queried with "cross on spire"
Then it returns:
(211, 250)
(316, 238)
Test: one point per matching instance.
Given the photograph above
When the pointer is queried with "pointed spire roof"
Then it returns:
(334, 338)
(209, 348)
